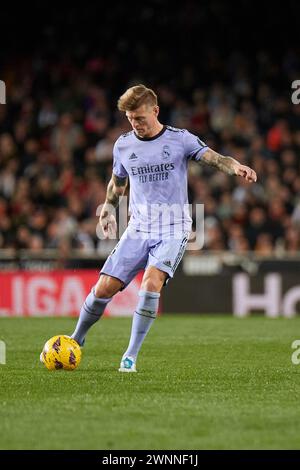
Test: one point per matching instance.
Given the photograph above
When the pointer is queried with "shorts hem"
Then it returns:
(115, 277)
(163, 268)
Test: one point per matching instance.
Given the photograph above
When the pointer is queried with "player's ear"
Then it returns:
(156, 110)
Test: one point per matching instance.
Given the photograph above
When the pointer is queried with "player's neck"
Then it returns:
(154, 133)
(155, 130)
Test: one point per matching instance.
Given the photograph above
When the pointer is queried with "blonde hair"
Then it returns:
(135, 97)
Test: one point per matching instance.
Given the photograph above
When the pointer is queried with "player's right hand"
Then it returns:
(108, 224)
(246, 172)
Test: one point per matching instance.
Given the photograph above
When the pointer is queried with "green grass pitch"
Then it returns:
(203, 382)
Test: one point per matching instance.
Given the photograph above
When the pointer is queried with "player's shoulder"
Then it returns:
(125, 135)
(123, 140)
(175, 129)
(181, 134)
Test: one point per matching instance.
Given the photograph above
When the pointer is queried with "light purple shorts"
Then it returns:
(134, 253)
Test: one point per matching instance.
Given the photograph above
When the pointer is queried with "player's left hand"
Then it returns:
(246, 173)
(108, 223)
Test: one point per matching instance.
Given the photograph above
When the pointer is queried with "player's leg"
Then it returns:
(163, 260)
(144, 315)
(94, 305)
(125, 260)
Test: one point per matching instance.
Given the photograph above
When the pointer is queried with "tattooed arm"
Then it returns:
(115, 190)
(228, 165)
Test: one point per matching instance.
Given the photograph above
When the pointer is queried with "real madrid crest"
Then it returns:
(166, 152)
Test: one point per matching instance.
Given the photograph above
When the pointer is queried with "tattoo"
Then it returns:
(115, 189)
(225, 164)
(118, 181)
(112, 196)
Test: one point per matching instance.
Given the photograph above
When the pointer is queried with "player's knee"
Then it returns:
(107, 287)
(153, 283)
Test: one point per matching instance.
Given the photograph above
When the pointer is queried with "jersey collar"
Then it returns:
(154, 137)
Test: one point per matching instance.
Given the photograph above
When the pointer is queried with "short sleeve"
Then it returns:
(118, 168)
(193, 146)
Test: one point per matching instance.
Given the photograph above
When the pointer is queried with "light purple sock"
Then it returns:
(143, 318)
(91, 311)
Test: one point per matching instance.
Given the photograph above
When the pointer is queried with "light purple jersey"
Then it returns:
(157, 171)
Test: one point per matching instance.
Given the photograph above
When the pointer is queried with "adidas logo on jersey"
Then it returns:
(168, 263)
(133, 156)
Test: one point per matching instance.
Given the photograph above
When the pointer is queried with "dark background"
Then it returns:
(146, 35)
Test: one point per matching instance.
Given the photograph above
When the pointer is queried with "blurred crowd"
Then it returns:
(60, 122)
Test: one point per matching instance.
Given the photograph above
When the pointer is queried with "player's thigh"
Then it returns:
(167, 254)
(153, 279)
(129, 256)
(107, 286)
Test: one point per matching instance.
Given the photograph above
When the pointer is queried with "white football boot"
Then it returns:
(127, 364)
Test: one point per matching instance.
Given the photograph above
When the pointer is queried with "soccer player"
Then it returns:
(154, 158)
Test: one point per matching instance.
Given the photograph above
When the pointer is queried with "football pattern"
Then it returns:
(61, 352)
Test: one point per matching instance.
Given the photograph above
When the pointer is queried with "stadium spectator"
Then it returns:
(59, 125)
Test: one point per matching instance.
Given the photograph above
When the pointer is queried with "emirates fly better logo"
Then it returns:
(2, 92)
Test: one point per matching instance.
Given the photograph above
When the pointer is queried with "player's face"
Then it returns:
(143, 120)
